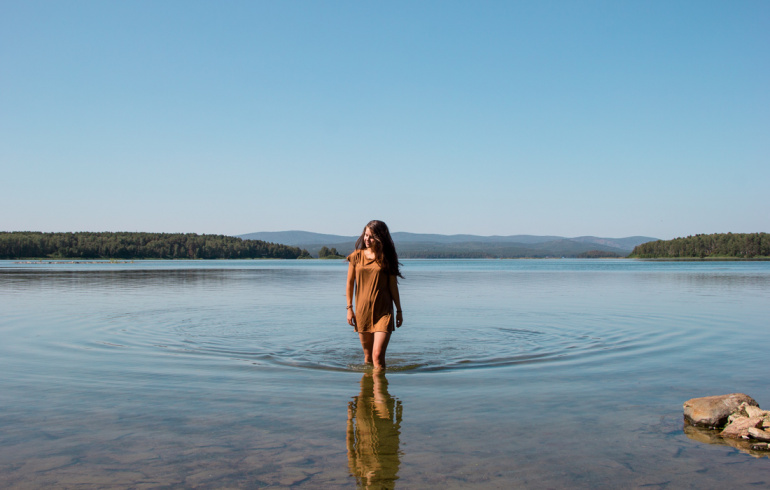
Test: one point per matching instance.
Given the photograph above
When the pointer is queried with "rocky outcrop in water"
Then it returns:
(713, 411)
(726, 418)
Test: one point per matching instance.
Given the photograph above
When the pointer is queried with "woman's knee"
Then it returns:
(379, 351)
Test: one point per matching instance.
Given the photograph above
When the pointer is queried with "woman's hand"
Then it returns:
(351, 317)
(399, 319)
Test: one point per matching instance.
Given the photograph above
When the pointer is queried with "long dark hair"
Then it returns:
(384, 248)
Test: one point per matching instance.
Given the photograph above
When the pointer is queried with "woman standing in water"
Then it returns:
(373, 274)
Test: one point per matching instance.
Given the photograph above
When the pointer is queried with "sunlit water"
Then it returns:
(528, 373)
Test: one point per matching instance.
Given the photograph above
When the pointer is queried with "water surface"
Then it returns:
(532, 373)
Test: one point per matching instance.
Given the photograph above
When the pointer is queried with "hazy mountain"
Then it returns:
(627, 243)
(418, 245)
(296, 237)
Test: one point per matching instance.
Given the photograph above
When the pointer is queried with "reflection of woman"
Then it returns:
(373, 273)
(374, 424)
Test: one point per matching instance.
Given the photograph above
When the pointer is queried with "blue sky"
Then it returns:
(570, 118)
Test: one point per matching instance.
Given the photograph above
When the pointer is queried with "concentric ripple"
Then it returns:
(218, 336)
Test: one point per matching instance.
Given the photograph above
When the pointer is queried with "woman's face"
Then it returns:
(368, 238)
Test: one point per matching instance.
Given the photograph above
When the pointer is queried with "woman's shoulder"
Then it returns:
(355, 256)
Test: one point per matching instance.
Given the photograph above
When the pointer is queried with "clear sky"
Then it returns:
(606, 118)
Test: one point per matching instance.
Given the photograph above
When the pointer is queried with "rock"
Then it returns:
(753, 411)
(759, 434)
(713, 411)
(738, 414)
(740, 427)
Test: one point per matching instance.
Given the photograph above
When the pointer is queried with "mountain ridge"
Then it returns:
(424, 245)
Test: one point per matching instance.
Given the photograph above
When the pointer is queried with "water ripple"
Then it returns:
(208, 334)
(292, 318)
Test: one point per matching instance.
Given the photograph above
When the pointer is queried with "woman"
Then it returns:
(373, 273)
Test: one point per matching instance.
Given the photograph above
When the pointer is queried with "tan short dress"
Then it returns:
(374, 303)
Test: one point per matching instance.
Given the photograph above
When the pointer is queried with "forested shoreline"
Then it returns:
(717, 245)
(138, 245)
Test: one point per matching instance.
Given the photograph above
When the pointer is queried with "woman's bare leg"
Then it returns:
(379, 347)
(367, 343)
(375, 345)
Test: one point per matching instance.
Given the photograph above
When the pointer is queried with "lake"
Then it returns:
(506, 373)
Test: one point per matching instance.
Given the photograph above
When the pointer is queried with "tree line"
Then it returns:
(128, 245)
(598, 254)
(329, 253)
(728, 245)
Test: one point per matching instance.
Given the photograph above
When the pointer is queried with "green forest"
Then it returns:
(718, 245)
(327, 253)
(126, 245)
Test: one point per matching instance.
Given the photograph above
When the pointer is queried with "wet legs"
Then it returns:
(375, 344)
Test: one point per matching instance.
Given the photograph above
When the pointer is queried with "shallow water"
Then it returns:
(532, 373)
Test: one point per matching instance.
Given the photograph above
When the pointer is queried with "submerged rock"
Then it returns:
(713, 411)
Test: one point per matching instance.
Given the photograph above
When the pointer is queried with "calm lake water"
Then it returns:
(506, 373)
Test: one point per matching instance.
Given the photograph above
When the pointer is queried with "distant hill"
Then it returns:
(420, 245)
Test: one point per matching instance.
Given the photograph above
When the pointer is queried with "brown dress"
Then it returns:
(374, 303)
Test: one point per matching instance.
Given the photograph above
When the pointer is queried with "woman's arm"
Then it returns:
(351, 282)
(396, 299)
